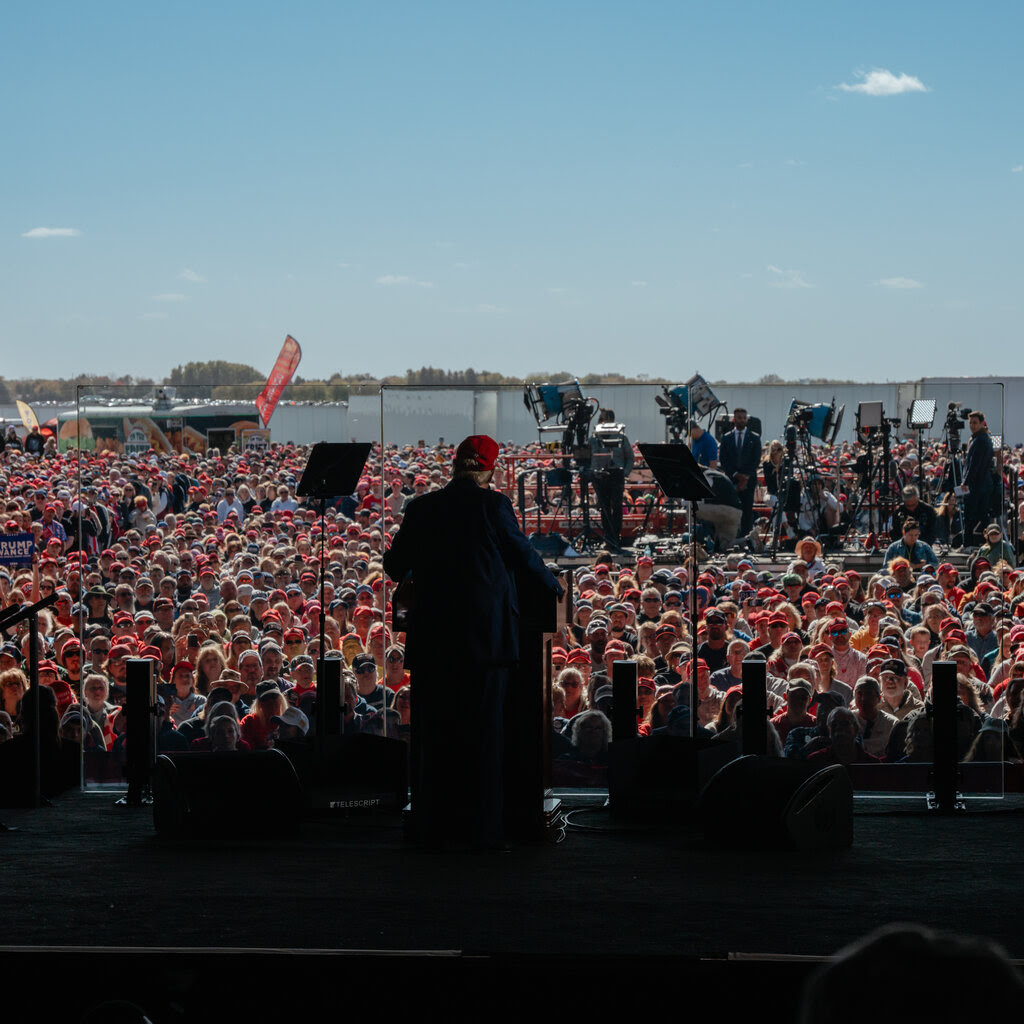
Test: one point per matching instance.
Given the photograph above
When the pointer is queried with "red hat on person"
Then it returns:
(578, 656)
(478, 451)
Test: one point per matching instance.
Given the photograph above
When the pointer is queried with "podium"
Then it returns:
(529, 804)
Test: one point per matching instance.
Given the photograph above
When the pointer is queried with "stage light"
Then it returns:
(922, 413)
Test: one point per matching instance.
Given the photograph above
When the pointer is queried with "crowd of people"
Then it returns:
(849, 658)
(210, 567)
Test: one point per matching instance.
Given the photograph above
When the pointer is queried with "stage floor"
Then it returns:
(86, 873)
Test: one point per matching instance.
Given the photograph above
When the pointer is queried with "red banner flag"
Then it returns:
(284, 368)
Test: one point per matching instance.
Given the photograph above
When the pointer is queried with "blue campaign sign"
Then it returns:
(16, 548)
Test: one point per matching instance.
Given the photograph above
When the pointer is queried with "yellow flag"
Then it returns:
(28, 417)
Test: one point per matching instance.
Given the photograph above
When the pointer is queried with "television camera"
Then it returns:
(957, 415)
(679, 404)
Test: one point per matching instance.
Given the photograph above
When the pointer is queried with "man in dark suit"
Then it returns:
(461, 545)
(739, 456)
(976, 489)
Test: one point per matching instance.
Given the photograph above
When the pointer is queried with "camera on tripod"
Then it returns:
(957, 416)
(673, 405)
(956, 419)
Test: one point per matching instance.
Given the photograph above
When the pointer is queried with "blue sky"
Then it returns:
(658, 188)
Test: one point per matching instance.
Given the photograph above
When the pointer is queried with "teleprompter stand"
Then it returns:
(679, 476)
(333, 470)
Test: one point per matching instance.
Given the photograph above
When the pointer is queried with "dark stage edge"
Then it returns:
(347, 902)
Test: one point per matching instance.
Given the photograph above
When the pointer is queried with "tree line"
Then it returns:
(219, 379)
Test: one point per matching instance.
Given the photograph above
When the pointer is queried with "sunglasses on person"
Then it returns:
(838, 632)
(396, 657)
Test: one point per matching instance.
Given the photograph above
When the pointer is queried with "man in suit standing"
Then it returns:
(462, 545)
(739, 456)
(976, 489)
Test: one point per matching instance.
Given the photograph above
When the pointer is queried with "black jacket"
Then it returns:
(462, 546)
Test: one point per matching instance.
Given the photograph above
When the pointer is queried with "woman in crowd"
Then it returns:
(257, 725)
(210, 665)
(572, 683)
(786, 655)
(771, 470)
(187, 702)
(13, 686)
(403, 704)
(727, 711)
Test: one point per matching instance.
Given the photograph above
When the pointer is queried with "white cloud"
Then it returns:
(51, 233)
(190, 275)
(153, 316)
(556, 291)
(638, 284)
(1017, 169)
(898, 282)
(168, 297)
(403, 279)
(880, 82)
(787, 278)
(795, 163)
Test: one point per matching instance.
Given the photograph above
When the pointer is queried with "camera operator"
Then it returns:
(976, 489)
(819, 508)
(610, 479)
(724, 512)
(703, 446)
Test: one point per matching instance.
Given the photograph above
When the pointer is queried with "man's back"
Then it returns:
(462, 545)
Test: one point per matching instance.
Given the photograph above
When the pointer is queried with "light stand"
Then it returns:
(920, 418)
